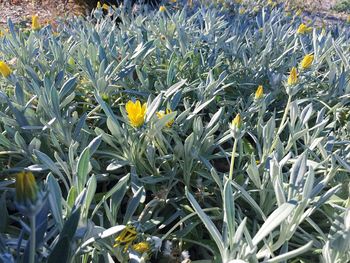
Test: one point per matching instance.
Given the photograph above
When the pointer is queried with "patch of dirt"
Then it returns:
(321, 10)
(48, 10)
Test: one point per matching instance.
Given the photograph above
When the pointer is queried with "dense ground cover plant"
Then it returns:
(209, 132)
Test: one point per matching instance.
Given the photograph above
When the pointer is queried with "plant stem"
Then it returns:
(32, 239)
(233, 159)
(284, 117)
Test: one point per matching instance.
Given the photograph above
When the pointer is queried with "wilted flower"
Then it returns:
(162, 8)
(185, 256)
(5, 69)
(126, 237)
(307, 61)
(293, 76)
(141, 247)
(35, 22)
(26, 187)
(161, 114)
(168, 248)
(259, 93)
(136, 113)
(302, 29)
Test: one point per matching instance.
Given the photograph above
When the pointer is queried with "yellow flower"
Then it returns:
(293, 76)
(105, 7)
(298, 12)
(161, 114)
(126, 237)
(71, 61)
(256, 9)
(136, 113)
(141, 247)
(26, 187)
(241, 11)
(307, 61)
(98, 6)
(35, 22)
(302, 29)
(237, 121)
(173, 1)
(259, 93)
(271, 3)
(162, 8)
(5, 69)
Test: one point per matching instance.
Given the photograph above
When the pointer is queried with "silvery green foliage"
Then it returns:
(63, 117)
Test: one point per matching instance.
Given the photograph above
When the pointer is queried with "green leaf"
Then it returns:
(83, 168)
(55, 199)
(274, 220)
(214, 232)
(229, 214)
(133, 204)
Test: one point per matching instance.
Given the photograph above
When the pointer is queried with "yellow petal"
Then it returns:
(293, 76)
(35, 22)
(307, 61)
(5, 69)
(259, 92)
(129, 107)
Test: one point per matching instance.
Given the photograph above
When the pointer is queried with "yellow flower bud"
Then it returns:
(307, 61)
(5, 69)
(26, 187)
(237, 121)
(98, 6)
(141, 247)
(136, 113)
(298, 12)
(302, 29)
(259, 93)
(35, 22)
(71, 61)
(105, 7)
(162, 8)
(293, 76)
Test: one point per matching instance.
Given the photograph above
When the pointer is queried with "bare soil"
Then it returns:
(22, 10)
